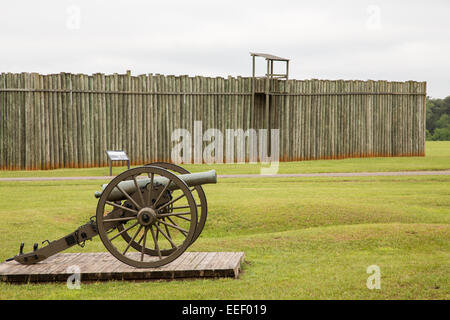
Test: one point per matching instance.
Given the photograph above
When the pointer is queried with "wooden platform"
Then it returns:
(103, 266)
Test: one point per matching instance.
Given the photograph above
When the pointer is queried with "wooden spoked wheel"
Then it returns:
(160, 217)
(200, 198)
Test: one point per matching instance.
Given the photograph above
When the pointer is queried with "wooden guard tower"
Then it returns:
(269, 76)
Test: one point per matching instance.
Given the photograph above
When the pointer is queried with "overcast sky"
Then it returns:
(379, 40)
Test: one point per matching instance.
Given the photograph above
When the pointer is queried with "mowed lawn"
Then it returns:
(437, 158)
(304, 238)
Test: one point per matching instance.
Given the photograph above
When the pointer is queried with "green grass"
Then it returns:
(437, 158)
(304, 238)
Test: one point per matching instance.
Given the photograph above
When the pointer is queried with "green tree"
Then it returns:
(429, 136)
(442, 134)
(438, 119)
(443, 122)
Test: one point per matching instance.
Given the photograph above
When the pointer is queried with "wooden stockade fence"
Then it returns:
(69, 120)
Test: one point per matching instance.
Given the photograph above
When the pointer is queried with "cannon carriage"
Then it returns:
(146, 217)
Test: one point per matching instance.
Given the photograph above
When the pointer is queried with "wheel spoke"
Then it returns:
(151, 176)
(168, 232)
(119, 219)
(138, 190)
(121, 207)
(170, 202)
(173, 214)
(124, 230)
(185, 207)
(184, 218)
(160, 194)
(132, 239)
(157, 233)
(128, 197)
(176, 214)
(173, 222)
(143, 244)
(183, 231)
(140, 239)
(170, 240)
(156, 242)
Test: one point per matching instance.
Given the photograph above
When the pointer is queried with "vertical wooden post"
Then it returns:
(287, 69)
(267, 95)
(252, 123)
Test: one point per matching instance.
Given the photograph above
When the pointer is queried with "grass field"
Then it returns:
(304, 238)
(437, 158)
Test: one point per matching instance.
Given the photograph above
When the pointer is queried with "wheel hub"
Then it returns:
(146, 216)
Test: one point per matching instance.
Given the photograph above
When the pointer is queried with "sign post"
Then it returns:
(116, 155)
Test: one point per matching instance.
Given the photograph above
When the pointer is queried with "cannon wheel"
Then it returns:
(201, 219)
(147, 217)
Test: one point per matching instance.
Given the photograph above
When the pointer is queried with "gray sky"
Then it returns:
(379, 40)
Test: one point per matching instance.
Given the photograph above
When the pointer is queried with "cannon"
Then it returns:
(146, 217)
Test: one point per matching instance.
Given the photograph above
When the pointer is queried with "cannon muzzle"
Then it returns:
(191, 179)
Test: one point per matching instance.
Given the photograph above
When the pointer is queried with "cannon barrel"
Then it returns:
(191, 179)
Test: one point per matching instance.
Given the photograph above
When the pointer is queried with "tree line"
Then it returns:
(438, 119)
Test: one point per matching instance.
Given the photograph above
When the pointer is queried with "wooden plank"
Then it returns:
(103, 266)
